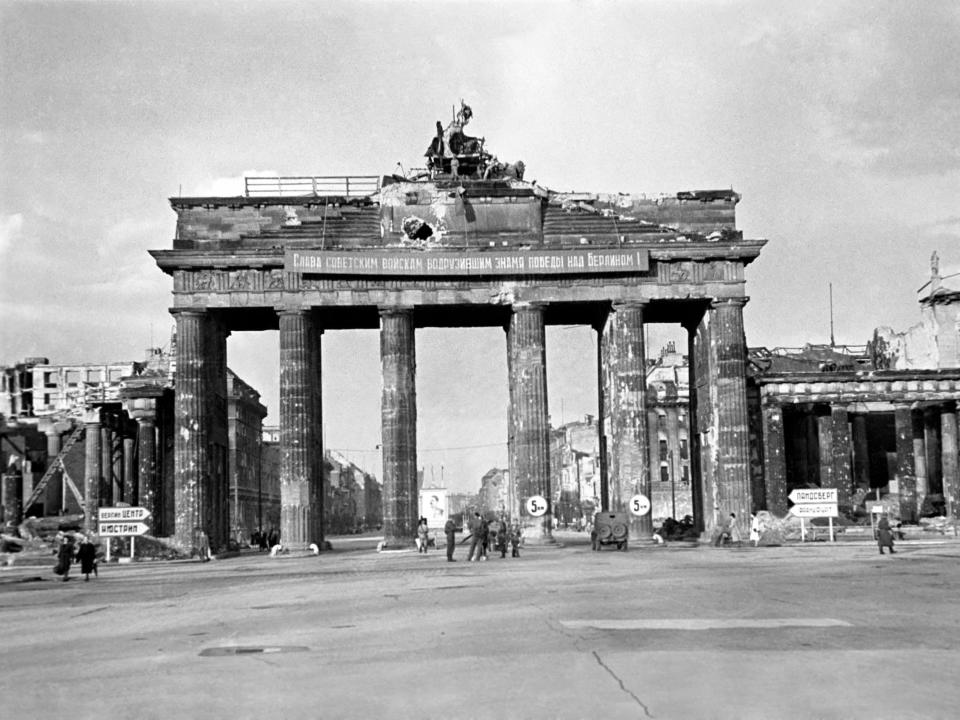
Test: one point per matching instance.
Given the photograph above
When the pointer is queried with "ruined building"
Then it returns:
(467, 241)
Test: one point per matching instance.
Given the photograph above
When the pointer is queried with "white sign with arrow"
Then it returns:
(814, 503)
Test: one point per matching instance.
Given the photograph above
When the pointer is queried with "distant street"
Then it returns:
(801, 631)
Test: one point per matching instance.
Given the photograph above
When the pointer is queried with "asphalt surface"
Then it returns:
(800, 631)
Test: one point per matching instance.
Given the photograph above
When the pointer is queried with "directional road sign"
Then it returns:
(813, 495)
(813, 510)
(123, 514)
(121, 529)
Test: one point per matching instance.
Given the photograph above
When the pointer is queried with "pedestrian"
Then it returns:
(734, 531)
(484, 538)
(87, 557)
(450, 530)
(202, 543)
(64, 556)
(885, 535)
(502, 539)
(754, 529)
(515, 541)
(273, 538)
(476, 537)
(262, 539)
(423, 536)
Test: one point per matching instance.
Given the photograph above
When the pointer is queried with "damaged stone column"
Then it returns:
(147, 463)
(301, 440)
(906, 480)
(398, 412)
(93, 471)
(840, 445)
(825, 448)
(191, 423)
(774, 460)
(106, 460)
(861, 452)
(530, 447)
(625, 393)
(950, 461)
(53, 494)
(726, 440)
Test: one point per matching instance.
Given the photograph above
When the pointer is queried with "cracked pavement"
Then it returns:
(814, 631)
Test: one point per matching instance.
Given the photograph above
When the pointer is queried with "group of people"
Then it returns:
(265, 540)
(730, 532)
(83, 551)
(484, 535)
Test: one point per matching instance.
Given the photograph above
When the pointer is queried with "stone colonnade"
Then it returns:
(722, 427)
(924, 459)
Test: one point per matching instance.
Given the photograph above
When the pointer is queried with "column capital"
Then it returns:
(386, 310)
(632, 304)
(729, 302)
(188, 311)
(92, 416)
(528, 306)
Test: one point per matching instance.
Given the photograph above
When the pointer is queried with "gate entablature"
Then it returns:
(473, 252)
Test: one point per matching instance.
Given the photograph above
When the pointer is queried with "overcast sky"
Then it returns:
(838, 122)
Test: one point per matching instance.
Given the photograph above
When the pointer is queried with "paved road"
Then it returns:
(812, 631)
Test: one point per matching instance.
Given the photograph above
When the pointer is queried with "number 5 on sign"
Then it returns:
(639, 505)
(537, 505)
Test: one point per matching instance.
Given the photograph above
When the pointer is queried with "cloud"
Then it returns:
(228, 186)
(11, 230)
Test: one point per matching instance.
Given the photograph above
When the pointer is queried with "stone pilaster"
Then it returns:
(625, 392)
(191, 426)
(906, 480)
(841, 448)
(726, 449)
(950, 460)
(920, 457)
(93, 470)
(530, 449)
(774, 460)
(301, 439)
(399, 426)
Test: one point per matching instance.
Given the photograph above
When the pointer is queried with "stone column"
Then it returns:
(129, 471)
(774, 459)
(530, 450)
(949, 460)
(93, 470)
(841, 448)
(906, 480)
(625, 394)
(301, 440)
(861, 452)
(399, 426)
(931, 444)
(191, 426)
(920, 457)
(11, 495)
(53, 494)
(147, 465)
(698, 400)
(825, 446)
(728, 479)
(106, 461)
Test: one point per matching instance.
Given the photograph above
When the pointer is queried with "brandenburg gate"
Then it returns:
(457, 247)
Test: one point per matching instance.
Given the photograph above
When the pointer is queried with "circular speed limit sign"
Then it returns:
(639, 505)
(537, 505)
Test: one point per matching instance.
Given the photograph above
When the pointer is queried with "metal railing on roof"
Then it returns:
(312, 186)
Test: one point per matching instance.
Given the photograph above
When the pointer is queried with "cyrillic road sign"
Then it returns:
(124, 514)
(813, 495)
(811, 510)
(120, 529)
